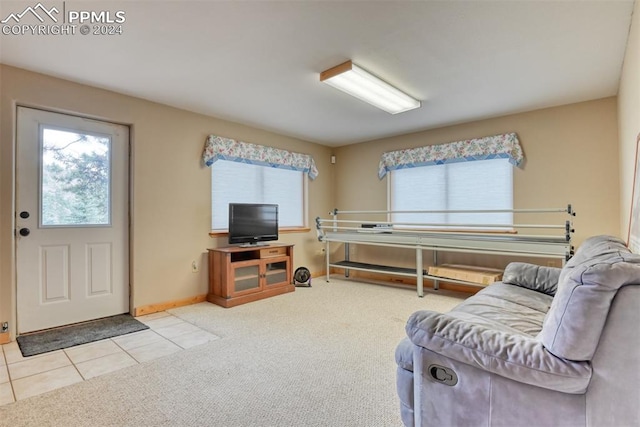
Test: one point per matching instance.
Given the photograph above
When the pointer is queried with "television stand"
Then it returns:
(239, 274)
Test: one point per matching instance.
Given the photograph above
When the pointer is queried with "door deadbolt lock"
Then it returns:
(24, 232)
(24, 214)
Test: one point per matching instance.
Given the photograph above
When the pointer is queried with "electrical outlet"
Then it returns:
(5, 326)
(194, 267)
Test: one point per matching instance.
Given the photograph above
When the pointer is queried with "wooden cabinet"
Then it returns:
(238, 275)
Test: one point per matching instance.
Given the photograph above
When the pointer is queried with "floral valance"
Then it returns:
(506, 146)
(219, 148)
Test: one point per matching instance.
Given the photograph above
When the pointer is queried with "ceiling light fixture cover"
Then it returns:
(355, 81)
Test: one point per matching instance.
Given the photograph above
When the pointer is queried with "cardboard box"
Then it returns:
(467, 273)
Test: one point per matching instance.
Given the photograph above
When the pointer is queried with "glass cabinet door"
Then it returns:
(246, 278)
(276, 273)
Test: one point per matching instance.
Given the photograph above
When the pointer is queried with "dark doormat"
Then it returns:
(81, 333)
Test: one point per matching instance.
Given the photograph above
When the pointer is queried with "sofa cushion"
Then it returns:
(531, 276)
(506, 308)
(519, 296)
(587, 285)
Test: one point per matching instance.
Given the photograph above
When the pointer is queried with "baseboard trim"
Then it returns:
(5, 338)
(154, 308)
(317, 274)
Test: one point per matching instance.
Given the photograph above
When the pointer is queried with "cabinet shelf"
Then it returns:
(247, 277)
(278, 271)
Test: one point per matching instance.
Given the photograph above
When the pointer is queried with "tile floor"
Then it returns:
(23, 377)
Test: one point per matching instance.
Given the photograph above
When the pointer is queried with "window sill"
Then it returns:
(280, 231)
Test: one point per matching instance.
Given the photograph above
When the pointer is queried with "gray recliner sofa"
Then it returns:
(544, 347)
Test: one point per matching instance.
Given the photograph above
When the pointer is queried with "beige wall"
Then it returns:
(571, 157)
(171, 203)
(629, 118)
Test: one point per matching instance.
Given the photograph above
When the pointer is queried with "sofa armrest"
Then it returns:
(510, 355)
(535, 277)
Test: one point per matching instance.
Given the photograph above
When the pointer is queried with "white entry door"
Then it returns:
(72, 205)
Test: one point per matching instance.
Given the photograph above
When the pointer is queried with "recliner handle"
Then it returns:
(443, 375)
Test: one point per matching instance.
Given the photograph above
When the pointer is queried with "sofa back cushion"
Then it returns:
(586, 287)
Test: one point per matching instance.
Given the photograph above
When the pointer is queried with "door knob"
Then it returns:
(24, 232)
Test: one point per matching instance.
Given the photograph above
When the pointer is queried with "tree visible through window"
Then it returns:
(75, 187)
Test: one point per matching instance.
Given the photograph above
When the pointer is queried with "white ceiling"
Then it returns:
(257, 62)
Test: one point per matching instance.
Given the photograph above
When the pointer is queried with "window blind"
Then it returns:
(479, 185)
(234, 182)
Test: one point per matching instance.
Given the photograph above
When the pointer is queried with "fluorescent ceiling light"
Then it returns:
(355, 81)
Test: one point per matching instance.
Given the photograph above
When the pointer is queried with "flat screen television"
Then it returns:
(252, 223)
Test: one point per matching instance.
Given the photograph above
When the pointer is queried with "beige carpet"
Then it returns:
(321, 356)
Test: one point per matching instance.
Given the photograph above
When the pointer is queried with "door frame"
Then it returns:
(130, 223)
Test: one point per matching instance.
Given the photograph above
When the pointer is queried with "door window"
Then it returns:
(75, 178)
